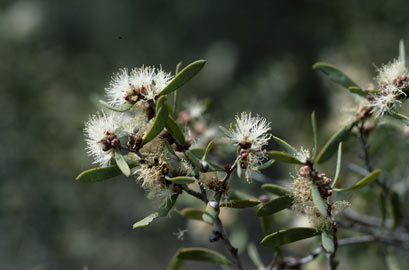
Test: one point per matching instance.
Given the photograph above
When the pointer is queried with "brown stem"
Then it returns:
(233, 251)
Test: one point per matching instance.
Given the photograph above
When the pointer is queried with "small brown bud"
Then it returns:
(115, 142)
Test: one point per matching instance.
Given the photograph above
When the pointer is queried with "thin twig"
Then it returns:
(233, 251)
(196, 194)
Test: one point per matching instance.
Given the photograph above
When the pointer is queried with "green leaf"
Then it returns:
(192, 213)
(327, 240)
(332, 144)
(361, 183)
(283, 157)
(98, 174)
(158, 125)
(286, 146)
(240, 203)
(208, 148)
(283, 237)
(121, 162)
(161, 212)
(403, 118)
(170, 149)
(239, 195)
(254, 256)
(397, 214)
(239, 169)
(338, 168)
(361, 92)
(335, 74)
(181, 179)
(183, 77)
(276, 189)
(275, 206)
(193, 155)
(265, 165)
(211, 212)
(382, 206)
(402, 57)
(318, 201)
(198, 254)
(314, 134)
(123, 108)
(175, 130)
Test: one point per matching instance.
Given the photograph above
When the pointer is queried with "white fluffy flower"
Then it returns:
(303, 155)
(392, 81)
(96, 130)
(388, 74)
(250, 132)
(128, 87)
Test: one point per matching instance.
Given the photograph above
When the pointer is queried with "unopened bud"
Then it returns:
(114, 142)
(204, 166)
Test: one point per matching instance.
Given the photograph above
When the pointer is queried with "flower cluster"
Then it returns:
(393, 85)
(143, 83)
(251, 135)
(303, 202)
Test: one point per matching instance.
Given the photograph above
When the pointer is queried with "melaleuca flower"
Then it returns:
(303, 202)
(144, 82)
(393, 84)
(100, 136)
(251, 134)
(303, 155)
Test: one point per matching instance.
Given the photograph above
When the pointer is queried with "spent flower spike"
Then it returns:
(100, 136)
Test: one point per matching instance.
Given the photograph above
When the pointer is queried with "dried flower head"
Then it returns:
(144, 82)
(100, 136)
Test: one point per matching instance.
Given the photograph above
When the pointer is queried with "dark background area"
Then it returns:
(56, 58)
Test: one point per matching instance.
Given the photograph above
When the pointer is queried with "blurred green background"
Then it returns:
(56, 58)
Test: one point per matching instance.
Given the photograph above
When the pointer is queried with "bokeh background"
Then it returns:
(56, 58)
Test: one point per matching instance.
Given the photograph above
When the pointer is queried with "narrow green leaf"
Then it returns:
(175, 130)
(121, 162)
(239, 195)
(314, 134)
(402, 57)
(192, 213)
(211, 212)
(283, 157)
(161, 212)
(158, 125)
(239, 169)
(332, 144)
(98, 174)
(276, 189)
(382, 206)
(175, 93)
(286, 146)
(266, 164)
(400, 117)
(283, 237)
(254, 256)
(397, 214)
(195, 155)
(275, 206)
(123, 108)
(240, 203)
(181, 179)
(361, 183)
(361, 92)
(183, 77)
(335, 74)
(267, 224)
(208, 148)
(327, 240)
(170, 149)
(338, 168)
(318, 201)
(198, 254)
